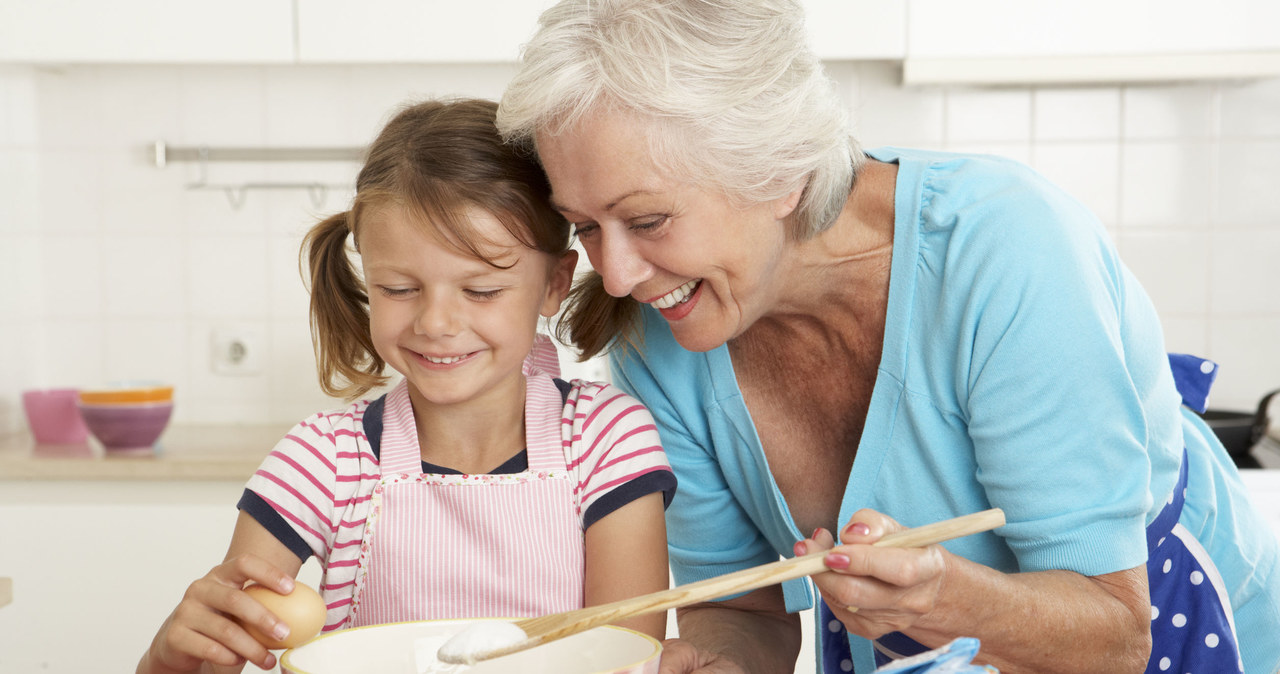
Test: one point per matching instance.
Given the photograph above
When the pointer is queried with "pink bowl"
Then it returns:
(53, 417)
(127, 428)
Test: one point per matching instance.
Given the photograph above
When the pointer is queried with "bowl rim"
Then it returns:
(285, 657)
(148, 404)
(128, 393)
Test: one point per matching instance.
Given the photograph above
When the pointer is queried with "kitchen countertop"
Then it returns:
(185, 452)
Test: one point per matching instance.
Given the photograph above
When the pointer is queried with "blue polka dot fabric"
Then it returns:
(1193, 376)
(1191, 628)
(837, 656)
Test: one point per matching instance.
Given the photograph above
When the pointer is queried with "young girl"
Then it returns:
(479, 485)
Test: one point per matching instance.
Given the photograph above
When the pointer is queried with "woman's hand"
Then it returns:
(682, 657)
(875, 591)
(204, 628)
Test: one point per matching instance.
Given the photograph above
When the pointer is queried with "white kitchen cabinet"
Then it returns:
(146, 31)
(857, 29)
(1021, 41)
(492, 31)
(415, 31)
(96, 566)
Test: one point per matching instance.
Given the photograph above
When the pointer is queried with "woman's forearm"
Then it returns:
(1050, 621)
(754, 631)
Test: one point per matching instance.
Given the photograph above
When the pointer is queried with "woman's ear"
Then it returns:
(560, 282)
(787, 203)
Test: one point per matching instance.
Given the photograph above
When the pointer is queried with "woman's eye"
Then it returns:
(649, 223)
(584, 229)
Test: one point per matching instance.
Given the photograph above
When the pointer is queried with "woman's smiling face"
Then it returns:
(707, 264)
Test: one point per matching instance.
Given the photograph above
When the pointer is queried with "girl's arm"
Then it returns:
(201, 634)
(626, 556)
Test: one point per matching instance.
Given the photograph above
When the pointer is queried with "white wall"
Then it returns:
(110, 268)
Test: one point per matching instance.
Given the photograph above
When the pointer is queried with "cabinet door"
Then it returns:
(388, 31)
(857, 29)
(415, 31)
(1099, 40)
(146, 31)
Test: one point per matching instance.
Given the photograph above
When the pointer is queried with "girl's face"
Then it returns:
(456, 327)
(710, 267)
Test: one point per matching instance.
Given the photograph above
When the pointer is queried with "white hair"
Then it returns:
(735, 97)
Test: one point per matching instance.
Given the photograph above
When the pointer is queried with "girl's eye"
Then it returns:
(395, 292)
(485, 294)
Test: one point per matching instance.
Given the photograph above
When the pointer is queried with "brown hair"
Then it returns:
(594, 321)
(436, 160)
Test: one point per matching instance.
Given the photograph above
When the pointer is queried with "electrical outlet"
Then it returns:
(237, 351)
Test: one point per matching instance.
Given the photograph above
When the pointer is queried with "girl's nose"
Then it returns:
(437, 317)
(620, 264)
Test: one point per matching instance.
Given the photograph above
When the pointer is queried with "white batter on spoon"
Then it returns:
(472, 641)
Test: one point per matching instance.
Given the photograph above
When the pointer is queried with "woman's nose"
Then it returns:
(620, 264)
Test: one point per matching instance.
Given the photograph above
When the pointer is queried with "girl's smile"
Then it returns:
(444, 362)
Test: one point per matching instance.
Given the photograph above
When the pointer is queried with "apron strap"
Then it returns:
(1168, 516)
(543, 412)
(399, 451)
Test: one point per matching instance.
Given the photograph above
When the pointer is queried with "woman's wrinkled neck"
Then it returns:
(841, 265)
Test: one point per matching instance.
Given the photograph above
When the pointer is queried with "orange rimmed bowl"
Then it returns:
(410, 647)
(127, 394)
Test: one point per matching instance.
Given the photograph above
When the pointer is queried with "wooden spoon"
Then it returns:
(543, 629)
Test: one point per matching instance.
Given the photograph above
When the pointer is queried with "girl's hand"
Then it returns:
(204, 628)
(682, 657)
(875, 591)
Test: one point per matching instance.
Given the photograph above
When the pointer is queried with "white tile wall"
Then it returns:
(112, 268)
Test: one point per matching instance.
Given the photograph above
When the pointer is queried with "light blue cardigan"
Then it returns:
(1023, 368)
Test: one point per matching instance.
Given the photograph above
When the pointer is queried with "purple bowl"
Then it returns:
(127, 428)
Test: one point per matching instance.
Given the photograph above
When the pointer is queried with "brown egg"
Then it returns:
(302, 610)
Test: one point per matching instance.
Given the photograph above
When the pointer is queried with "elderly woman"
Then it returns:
(837, 343)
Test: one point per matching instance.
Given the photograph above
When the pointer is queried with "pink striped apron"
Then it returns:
(459, 546)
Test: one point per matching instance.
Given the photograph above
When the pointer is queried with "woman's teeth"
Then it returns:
(443, 361)
(678, 296)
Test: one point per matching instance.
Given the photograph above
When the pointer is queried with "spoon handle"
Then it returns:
(550, 627)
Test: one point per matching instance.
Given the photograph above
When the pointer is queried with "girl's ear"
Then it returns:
(560, 282)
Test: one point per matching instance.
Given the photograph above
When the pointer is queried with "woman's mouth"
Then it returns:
(678, 296)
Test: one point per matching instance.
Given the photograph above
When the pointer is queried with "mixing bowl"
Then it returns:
(127, 427)
(410, 647)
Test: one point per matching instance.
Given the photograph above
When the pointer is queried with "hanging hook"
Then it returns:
(237, 196)
(319, 193)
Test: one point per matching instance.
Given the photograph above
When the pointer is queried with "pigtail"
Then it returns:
(593, 320)
(346, 361)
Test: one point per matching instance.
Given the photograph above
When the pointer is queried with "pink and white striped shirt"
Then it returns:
(320, 478)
